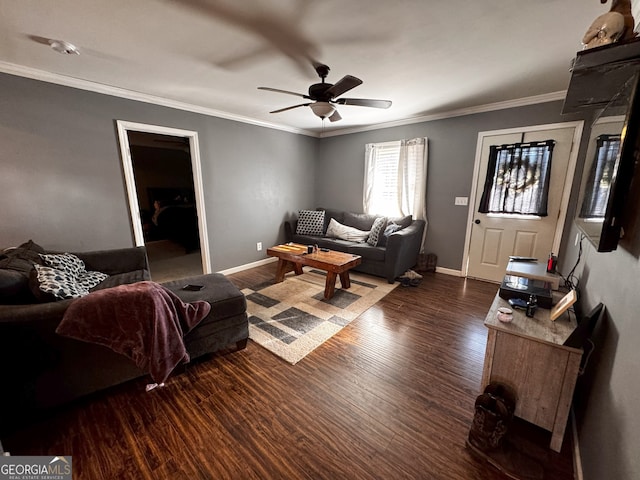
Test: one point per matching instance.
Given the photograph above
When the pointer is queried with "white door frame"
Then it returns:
(566, 192)
(134, 207)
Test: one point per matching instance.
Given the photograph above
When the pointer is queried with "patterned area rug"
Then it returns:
(292, 318)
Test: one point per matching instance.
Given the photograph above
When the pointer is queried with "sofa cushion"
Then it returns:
(225, 298)
(346, 232)
(122, 279)
(310, 222)
(329, 214)
(403, 222)
(377, 229)
(361, 221)
(14, 288)
(367, 252)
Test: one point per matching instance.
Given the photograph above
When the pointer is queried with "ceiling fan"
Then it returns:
(324, 96)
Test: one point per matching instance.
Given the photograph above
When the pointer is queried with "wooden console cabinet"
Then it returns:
(528, 355)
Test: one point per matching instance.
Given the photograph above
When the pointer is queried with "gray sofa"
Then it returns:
(391, 257)
(42, 369)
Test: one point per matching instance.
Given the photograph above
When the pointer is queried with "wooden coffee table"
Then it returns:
(293, 256)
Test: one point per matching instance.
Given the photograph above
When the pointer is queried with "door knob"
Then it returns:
(477, 221)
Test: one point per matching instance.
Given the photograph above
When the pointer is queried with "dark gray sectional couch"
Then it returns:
(389, 258)
(42, 369)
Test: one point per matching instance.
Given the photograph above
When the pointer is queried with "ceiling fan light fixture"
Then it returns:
(65, 48)
(322, 109)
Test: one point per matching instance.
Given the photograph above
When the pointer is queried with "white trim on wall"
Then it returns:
(134, 207)
(449, 271)
(564, 202)
(489, 107)
(55, 78)
(35, 74)
(247, 266)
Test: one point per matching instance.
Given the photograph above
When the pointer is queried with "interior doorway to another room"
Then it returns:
(165, 195)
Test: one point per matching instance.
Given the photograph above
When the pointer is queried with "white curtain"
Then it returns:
(412, 178)
(395, 178)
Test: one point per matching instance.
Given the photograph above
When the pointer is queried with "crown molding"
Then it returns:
(490, 107)
(36, 74)
(44, 76)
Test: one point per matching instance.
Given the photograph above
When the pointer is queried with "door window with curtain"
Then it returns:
(598, 184)
(517, 180)
(395, 179)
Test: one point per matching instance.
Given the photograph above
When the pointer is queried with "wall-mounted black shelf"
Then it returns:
(599, 73)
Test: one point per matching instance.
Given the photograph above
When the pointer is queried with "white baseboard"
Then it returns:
(265, 261)
(247, 266)
(449, 271)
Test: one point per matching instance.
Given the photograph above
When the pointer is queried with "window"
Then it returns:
(598, 184)
(517, 179)
(383, 181)
(395, 180)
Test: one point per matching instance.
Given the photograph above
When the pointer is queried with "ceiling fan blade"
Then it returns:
(269, 89)
(290, 108)
(343, 85)
(335, 117)
(364, 102)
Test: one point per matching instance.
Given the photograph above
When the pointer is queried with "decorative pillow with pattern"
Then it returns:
(376, 230)
(64, 276)
(88, 280)
(67, 262)
(60, 284)
(310, 222)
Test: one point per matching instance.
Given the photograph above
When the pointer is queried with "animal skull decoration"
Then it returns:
(616, 24)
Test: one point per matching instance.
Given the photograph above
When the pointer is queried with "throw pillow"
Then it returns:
(404, 222)
(361, 221)
(63, 276)
(88, 280)
(389, 229)
(377, 228)
(66, 262)
(344, 232)
(310, 222)
(57, 284)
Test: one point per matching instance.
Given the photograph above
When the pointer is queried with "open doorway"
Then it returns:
(164, 185)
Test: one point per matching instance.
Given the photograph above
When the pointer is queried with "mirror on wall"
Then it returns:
(608, 168)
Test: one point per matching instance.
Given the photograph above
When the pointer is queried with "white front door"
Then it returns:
(492, 238)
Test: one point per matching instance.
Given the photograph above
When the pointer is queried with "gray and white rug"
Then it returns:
(292, 318)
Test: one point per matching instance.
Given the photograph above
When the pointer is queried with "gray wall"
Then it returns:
(452, 150)
(607, 395)
(608, 392)
(61, 183)
(61, 180)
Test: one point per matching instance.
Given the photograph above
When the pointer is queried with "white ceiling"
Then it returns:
(427, 57)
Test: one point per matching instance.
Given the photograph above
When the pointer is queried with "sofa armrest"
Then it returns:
(403, 247)
(116, 261)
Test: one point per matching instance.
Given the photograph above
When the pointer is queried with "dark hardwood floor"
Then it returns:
(390, 396)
